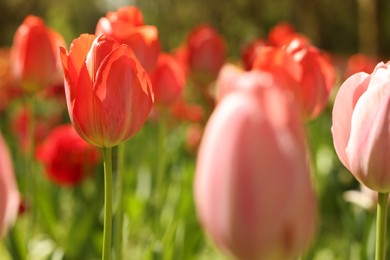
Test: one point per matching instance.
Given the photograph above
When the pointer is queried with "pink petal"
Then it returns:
(349, 93)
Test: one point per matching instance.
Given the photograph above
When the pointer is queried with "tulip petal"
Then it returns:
(346, 99)
(124, 108)
(368, 148)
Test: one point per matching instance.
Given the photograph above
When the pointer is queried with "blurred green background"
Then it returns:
(331, 24)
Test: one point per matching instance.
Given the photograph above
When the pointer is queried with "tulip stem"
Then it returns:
(107, 231)
(381, 223)
(119, 198)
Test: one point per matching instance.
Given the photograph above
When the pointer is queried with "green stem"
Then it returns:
(119, 198)
(107, 231)
(161, 156)
(381, 223)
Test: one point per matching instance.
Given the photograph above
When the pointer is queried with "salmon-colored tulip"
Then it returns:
(304, 71)
(361, 127)
(35, 62)
(126, 25)
(206, 53)
(108, 93)
(252, 184)
(168, 80)
(9, 194)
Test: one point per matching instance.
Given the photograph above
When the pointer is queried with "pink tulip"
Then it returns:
(9, 194)
(252, 185)
(226, 80)
(168, 80)
(361, 127)
(35, 62)
(108, 93)
(126, 25)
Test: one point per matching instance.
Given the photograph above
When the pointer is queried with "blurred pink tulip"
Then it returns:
(252, 186)
(360, 127)
(9, 194)
(35, 62)
(108, 93)
(126, 25)
(227, 78)
(168, 80)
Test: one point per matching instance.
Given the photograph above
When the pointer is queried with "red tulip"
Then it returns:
(206, 53)
(360, 127)
(108, 93)
(304, 70)
(281, 34)
(168, 80)
(67, 158)
(359, 63)
(252, 183)
(126, 25)
(9, 194)
(251, 51)
(34, 55)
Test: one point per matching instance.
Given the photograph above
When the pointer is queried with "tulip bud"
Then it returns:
(126, 25)
(360, 127)
(108, 93)
(168, 80)
(34, 58)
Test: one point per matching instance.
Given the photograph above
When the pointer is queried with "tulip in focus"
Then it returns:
(67, 158)
(252, 186)
(34, 57)
(360, 127)
(167, 79)
(108, 93)
(126, 25)
(9, 194)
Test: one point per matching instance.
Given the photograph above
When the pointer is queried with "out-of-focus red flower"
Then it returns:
(126, 25)
(206, 53)
(42, 126)
(187, 112)
(250, 52)
(8, 89)
(34, 55)
(108, 93)
(303, 69)
(67, 158)
(360, 63)
(281, 34)
(252, 186)
(168, 80)
(9, 194)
